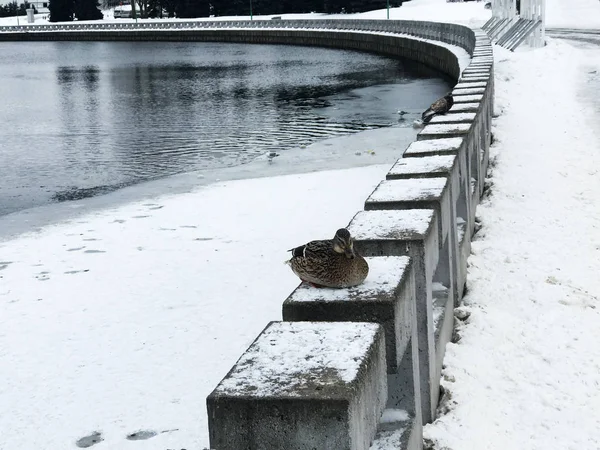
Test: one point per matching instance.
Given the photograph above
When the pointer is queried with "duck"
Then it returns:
(440, 106)
(332, 263)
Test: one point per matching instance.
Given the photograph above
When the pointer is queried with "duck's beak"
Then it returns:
(349, 252)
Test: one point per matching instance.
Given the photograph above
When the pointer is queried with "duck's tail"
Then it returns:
(427, 115)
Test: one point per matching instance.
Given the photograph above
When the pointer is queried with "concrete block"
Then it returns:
(468, 169)
(445, 166)
(467, 78)
(431, 131)
(469, 84)
(458, 91)
(426, 193)
(386, 297)
(465, 107)
(453, 117)
(301, 386)
(468, 98)
(412, 233)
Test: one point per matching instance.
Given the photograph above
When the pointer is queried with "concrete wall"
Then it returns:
(426, 237)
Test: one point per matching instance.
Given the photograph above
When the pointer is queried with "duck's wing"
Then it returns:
(440, 106)
(312, 249)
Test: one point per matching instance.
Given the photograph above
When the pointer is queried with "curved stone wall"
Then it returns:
(409, 39)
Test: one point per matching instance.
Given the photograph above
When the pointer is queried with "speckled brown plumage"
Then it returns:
(440, 106)
(320, 264)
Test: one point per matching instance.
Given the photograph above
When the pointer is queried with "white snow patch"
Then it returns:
(467, 98)
(460, 90)
(471, 84)
(449, 128)
(459, 117)
(425, 164)
(289, 355)
(391, 224)
(385, 274)
(408, 189)
(435, 145)
(457, 107)
(391, 415)
(573, 14)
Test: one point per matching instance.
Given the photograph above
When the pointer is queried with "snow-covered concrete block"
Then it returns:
(412, 233)
(468, 167)
(303, 385)
(432, 131)
(465, 107)
(453, 117)
(426, 193)
(457, 91)
(468, 78)
(445, 166)
(468, 84)
(428, 147)
(480, 66)
(468, 98)
(425, 167)
(476, 73)
(482, 57)
(416, 193)
(386, 297)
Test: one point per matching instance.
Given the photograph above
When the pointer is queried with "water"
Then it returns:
(81, 119)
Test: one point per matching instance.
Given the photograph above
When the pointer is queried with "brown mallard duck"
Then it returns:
(330, 263)
(440, 106)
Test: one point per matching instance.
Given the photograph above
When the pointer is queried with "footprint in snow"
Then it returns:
(119, 221)
(92, 239)
(88, 441)
(74, 249)
(140, 217)
(94, 251)
(43, 276)
(188, 226)
(142, 435)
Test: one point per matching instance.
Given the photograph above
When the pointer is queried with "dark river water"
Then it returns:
(79, 119)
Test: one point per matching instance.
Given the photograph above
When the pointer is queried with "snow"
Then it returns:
(459, 90)
(573, 14)
(410, 189)
(289, 358)
(443, 129)
(126, 318)
(390, 225)
(394, 415)
(470, 84)
(467, 98)
(457, 107)
(425, 164)
(434, 145)
(385, 274)
(526, 371)
(453, 118)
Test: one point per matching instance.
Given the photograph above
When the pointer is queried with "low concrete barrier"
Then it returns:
(415, 231)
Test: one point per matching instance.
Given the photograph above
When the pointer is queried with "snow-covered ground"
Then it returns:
(125, 318)
(526, 373)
